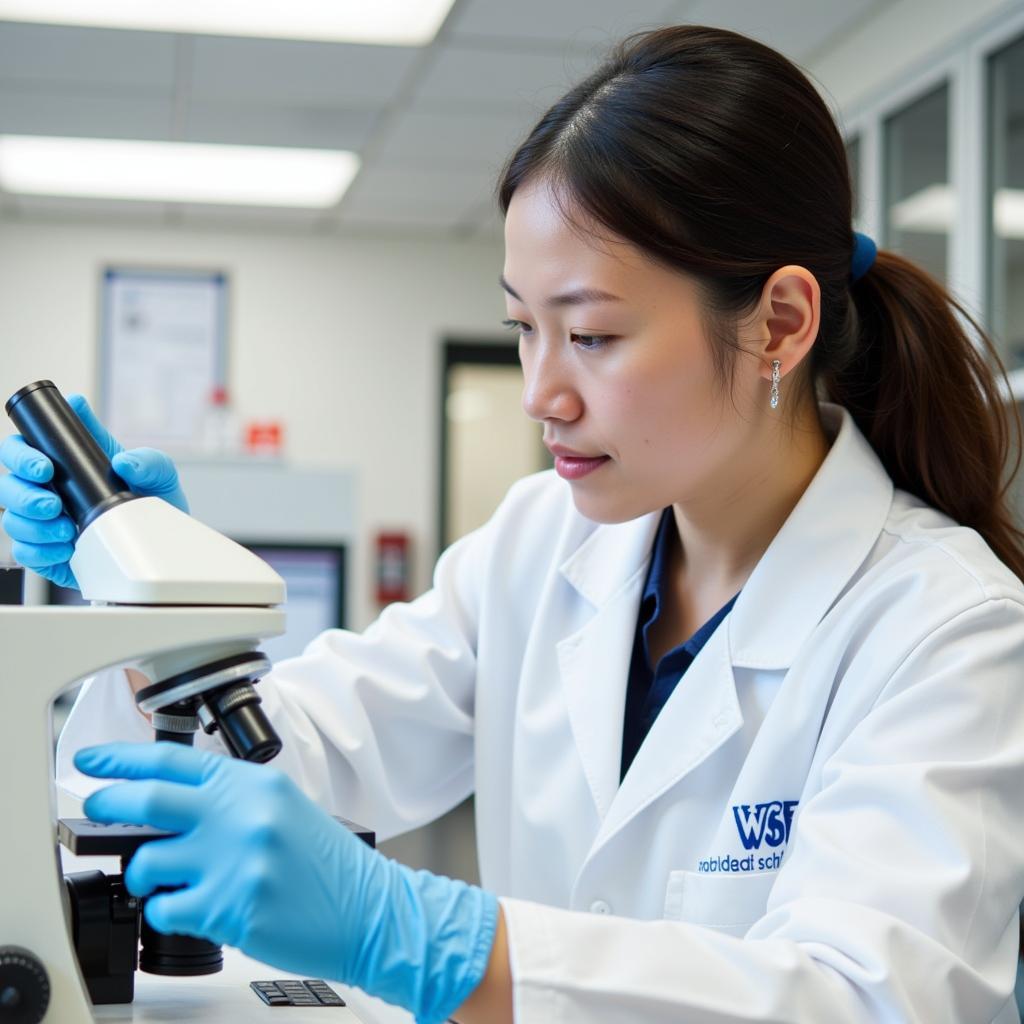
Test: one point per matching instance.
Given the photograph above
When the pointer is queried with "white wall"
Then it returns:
(338, 338)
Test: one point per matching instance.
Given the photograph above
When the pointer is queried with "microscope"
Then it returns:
(185, 606)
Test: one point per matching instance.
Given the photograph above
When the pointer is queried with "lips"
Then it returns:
(575, 467)
(560, 451)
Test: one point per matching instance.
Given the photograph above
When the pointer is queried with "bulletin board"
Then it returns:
(163, 353)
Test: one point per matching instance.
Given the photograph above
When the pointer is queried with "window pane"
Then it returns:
(1006, 201)
(919, 197)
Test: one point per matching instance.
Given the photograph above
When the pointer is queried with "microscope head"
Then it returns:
(133, 550)
(146, 551)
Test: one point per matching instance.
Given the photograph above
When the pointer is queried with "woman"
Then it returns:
(739, 701)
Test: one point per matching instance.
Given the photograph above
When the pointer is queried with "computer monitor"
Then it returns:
(12, 582)
(315, 577)
(62, 595)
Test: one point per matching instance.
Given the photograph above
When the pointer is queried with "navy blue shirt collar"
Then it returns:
(650, 686)
(653, 600)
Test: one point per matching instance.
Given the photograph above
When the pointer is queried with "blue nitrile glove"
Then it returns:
(43, 536)
(262, 868)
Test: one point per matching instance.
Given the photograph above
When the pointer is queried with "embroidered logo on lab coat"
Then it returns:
(764, 823)
(760, 826)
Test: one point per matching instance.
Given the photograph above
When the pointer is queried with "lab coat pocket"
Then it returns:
(727, 903)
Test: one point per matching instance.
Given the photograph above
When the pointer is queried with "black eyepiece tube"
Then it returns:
(82, 474)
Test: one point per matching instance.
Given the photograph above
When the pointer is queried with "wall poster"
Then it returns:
(163, 354)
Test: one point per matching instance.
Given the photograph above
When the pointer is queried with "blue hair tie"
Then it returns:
(864, 252)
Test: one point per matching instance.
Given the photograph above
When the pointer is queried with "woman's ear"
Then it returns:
(788, 318)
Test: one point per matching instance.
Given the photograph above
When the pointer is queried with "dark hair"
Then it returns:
(716, 156)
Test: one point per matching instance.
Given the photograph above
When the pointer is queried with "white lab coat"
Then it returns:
(826, 822)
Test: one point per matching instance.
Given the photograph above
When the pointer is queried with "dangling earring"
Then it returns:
(775, 382)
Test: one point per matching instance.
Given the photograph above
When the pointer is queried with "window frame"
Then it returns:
(964, 66)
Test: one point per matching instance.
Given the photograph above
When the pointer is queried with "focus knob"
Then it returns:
(24, 987)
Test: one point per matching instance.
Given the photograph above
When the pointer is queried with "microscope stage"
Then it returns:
(222, 998)
(89, 838)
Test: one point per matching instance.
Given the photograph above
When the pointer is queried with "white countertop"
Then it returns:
(226, 998)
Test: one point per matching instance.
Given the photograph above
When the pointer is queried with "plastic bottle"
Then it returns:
(220, 428)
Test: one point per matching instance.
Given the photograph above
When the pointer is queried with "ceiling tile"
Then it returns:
(455, 139)
(509, 76)
(356, 207)
(435, 123)
(414, 215)
(395, 183)
(249, 124)
(284, 72)
(577, 22)
(86, 56)
(46, 207)
(213, 215)
(794, 27)
(107, 116)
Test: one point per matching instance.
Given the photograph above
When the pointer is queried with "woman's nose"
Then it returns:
(548, 393)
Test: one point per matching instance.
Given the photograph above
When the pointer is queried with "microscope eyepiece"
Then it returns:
(82, 474)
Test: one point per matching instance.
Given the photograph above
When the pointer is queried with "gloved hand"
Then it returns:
(43, 536)
(262, 868)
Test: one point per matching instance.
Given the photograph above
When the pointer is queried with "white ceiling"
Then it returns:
(432, 125)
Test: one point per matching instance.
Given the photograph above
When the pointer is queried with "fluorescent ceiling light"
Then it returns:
(392, 22)
(181, 172)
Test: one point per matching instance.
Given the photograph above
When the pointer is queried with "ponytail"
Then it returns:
(927, 399)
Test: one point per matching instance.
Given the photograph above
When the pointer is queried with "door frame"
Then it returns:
(461, 352)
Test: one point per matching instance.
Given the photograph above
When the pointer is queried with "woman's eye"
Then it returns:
(590, 341)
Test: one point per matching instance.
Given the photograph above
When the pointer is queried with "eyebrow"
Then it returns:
(574, 298)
